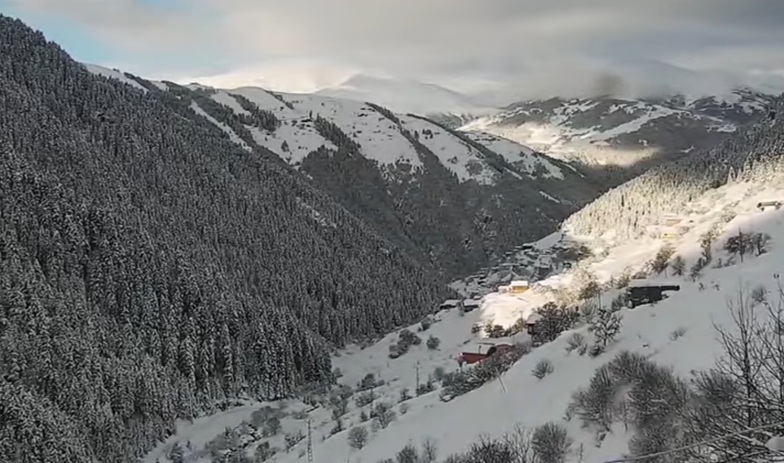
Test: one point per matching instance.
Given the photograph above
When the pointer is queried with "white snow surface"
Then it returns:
(113, 74)
(519, 398)
(380, 138)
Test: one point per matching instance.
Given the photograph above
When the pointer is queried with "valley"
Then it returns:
(451, 200)
(382, 271)
(680, 331)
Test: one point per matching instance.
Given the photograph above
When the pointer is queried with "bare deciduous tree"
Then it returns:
(746, 388)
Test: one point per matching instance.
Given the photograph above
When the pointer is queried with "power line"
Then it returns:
(697, 444)
(310, 441)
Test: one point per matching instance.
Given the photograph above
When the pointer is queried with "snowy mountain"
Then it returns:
(596, 386)
(172, 255)
(630, 135)
(449, 199)
(407, 96)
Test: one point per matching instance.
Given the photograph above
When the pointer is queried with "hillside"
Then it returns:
(450, 200)
(624, 136)
(152, 269)
(590, 389)
(640, 205)
(670, 342)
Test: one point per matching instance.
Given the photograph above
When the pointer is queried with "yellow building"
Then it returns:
(669, 236)
(518, 286)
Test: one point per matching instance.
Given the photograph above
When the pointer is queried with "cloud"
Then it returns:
(536, 46)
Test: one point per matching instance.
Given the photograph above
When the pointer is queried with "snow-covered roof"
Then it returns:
(450, 302)
(518, 283)
(471, 302)
(533, 318)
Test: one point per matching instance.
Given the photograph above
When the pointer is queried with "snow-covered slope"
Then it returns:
(380, 139)
(677, 332)
(623, 132)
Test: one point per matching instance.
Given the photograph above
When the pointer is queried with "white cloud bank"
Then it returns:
(495, 48)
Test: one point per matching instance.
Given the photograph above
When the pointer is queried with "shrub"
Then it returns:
(543, 368)
(339, 407)
(623, 279)
(653, 398)
(404, 394)
(497, 331)
(490, 451)
(696, 270)
(433, 342)
(515, 447)
(406, 339)
(619, 302)
(429, 451)
(605, 326)
(551, 443)
(678, 265)
(338, 426)
(575, 341)
(595, 404)
(595, 350)
(677, 333)
(759, 242)
(553, 322)
(357, 437)
(706, 244)
(368, 382)
(264, 451)
(662, 258)
(383, 414)
(366, 398)
(408, 454)
(426, 324)
(293, 439)
(425, 387)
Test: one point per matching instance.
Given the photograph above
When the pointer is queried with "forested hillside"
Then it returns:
(628, 209)
(449, 200)
(149, 266)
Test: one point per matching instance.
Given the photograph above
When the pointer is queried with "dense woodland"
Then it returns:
(755, 152)
(150, 268)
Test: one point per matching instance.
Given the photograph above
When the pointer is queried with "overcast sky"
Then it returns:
(540, 47)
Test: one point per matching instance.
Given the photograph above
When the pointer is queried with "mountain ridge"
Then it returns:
(450, 200)
(629, 135)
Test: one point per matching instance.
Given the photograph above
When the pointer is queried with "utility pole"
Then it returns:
(417, 375)
(310, 441)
